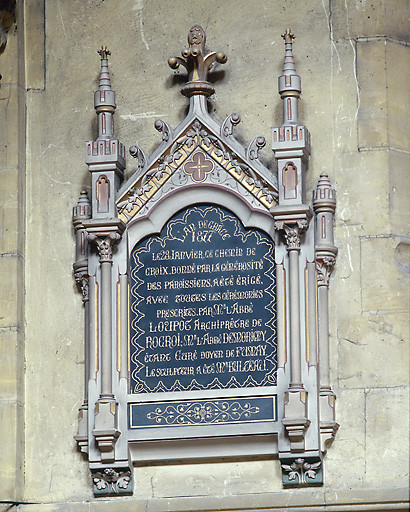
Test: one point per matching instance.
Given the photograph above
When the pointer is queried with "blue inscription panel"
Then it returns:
(202, 305)
(202, 412)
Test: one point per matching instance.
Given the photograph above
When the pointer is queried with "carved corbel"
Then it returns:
(112, 481)
(302, 472)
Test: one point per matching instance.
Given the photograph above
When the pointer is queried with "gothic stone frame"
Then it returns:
(202, 163)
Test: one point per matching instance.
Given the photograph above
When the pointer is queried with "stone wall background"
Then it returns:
(353, 58)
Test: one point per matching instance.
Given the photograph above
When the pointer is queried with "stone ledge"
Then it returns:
(297, 500)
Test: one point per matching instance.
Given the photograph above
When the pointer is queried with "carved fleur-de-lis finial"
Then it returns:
(288, 36)
(104, 52)
(197, 63)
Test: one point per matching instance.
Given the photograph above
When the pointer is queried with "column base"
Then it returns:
(106, 430)
(327, 434)
(328, 424)
(296, 420)
(82, 433)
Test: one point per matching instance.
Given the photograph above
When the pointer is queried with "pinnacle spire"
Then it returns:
(289, 67)
(291, 141)
(104, 156)
(82, 210)
(104, 98)
(105, 83)
(324, 196)
(289, 83)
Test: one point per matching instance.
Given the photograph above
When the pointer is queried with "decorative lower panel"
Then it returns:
(202, 412)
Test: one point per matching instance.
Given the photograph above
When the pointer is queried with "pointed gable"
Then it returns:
(198, 155)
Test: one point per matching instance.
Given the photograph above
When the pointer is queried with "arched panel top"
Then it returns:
(160, 212)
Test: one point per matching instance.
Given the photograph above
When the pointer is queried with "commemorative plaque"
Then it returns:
(202, 305)
(206, 339)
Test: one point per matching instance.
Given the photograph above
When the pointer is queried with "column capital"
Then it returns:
(292, 232)
(105, 245)
(324, 268)
(292, 221)
(81, 279)
(105, 233)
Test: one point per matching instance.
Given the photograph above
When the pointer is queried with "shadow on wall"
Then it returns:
(402, 257)
(7, 19)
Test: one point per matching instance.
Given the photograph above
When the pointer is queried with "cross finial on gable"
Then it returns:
(288, 36)
(104, 52)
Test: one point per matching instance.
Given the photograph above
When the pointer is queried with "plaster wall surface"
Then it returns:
(353, 59)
